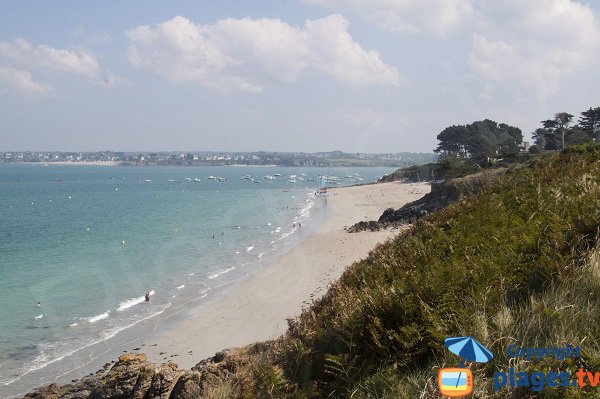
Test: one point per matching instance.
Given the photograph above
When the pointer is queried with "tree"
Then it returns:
(555, 128)
(539, 137)
(453, 141)
(589, 119)
(479, 140)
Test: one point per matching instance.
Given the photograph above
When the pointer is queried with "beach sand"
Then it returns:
(256, 309)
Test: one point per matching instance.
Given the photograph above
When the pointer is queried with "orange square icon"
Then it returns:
(455, 382)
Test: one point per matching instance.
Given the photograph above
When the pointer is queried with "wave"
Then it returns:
(132, 302)
(285, 235)
(73, 324)
(101, 316)
(38, 316)
(217, 274)
(250, 248)
(44, 359)
(180, 286)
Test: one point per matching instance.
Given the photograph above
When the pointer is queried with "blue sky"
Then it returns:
(290, 75)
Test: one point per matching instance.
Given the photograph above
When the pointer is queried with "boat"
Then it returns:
(212, 178)
(269, 177)
(322, 190)
(277, 174)
(221, 179)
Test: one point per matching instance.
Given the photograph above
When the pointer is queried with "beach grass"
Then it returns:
(516, 263)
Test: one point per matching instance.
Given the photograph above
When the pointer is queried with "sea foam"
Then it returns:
(132, 302)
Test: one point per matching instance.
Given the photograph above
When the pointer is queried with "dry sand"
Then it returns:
(256, 309)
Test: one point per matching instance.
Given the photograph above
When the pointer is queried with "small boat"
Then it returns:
(221, 179)
(188, 179)
(247, 177)
(322, 190)
(212, 178)
(277, 174)
(269, 177)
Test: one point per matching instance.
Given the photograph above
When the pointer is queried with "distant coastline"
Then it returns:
(224, 158)
(70, 163)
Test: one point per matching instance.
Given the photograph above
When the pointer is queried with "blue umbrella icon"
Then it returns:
(469, 349)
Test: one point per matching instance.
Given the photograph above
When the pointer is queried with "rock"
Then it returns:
(188, 386)
(122, 378)
(442, 194)
(51, 391)
(143, 383)
(134, 377)
(365, 226)
(163, 382)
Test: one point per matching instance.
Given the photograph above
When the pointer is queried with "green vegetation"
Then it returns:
(559, 132)
(516, 263)
(479, 140)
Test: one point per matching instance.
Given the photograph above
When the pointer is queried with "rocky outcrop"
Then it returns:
(134, 377)
(442, 194)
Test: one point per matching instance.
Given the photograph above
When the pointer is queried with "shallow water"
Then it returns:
(87, 242)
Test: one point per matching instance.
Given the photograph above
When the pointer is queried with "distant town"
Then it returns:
(258, 158)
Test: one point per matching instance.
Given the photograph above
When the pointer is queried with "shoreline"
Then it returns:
(259, 306)
(256, 306)
(68, 163)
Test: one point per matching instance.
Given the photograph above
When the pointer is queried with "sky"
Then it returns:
(287, 75)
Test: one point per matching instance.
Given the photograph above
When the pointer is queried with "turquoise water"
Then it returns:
(87, 242)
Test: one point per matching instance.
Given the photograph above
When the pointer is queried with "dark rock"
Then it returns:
(442, 194)
(163, 382)
(122, 378)
(188, 386)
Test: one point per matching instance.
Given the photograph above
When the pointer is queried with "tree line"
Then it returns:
(561, 131)
(487, 139)
(465, 149)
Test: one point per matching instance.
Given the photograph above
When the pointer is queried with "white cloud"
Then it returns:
(247, 53)
(22, 82)
(77, 62)
(531, 46)
(437, 17)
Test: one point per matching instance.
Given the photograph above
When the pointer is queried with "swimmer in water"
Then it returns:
(39, 305)
(147, 296)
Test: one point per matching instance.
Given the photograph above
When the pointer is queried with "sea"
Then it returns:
(80, 245)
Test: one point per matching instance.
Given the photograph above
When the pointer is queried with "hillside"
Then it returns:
(518, 262)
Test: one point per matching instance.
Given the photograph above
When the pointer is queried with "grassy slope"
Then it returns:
(511, 264)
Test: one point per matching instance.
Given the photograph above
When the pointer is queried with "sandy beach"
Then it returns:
(257, 308)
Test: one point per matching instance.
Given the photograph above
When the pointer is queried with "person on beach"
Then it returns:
(147, 296)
